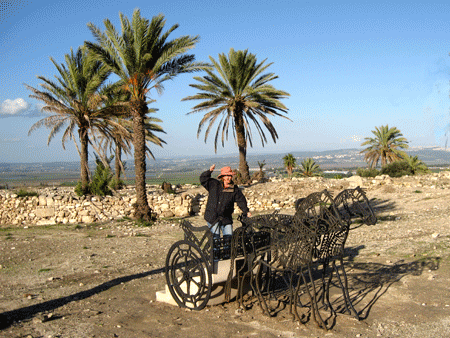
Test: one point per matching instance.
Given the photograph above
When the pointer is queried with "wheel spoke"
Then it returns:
(178, 282)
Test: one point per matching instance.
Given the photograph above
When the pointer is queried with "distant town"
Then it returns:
(330, 161)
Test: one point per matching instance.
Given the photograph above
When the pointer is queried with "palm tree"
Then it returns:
(143, 58)
(259, 175)
(416, 165)
(386, 145)
(119, 142)
(75, 101)
(309, 168)
(239, 94)
(261, 165)
(290, 163)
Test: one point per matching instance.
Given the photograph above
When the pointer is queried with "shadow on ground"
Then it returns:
(375, 279)
(9, 317)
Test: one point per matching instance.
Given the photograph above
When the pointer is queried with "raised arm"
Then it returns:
(205, 177)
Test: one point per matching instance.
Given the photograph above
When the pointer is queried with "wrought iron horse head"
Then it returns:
(354, 203)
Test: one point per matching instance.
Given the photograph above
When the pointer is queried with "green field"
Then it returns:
(22, 180)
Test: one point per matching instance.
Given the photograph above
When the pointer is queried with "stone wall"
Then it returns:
(61, 205)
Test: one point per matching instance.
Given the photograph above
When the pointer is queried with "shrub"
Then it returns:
(68, 184)
(100, 182)
(397, 169)
(116, 185)
(367, 172)
(167, 188)
(80, 191)
(143, 223)
(25, 193)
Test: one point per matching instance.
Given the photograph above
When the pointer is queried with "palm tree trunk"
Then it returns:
(117, 159)
(142, 209)
(84, 159)
(289, 170)
(242, 146)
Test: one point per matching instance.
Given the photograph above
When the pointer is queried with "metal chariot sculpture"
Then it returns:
(276, 254)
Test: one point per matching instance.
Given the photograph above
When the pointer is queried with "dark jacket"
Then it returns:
(220, 204)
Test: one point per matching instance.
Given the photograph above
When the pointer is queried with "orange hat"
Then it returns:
(226, 171)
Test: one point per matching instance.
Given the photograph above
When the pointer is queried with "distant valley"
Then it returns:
(343, 159)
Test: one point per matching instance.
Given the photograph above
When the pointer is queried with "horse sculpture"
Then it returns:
(288, 258)
(280, 267)
(348, 204)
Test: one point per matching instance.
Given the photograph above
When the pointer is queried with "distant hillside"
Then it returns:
(330, 159)
(432, 155)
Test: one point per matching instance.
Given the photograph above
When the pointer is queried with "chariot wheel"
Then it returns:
(188, 275)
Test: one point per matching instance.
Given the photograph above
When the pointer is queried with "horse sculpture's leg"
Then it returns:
(326, 282)
(302, 279)
(247, 272)
(344, 286)
(261, 300)
(324, 289)
(291, 291)
(242, 273)
(239, 286)
(314, 308)
(327, 291)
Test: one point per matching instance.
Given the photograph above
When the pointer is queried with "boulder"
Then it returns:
(87, 219)
(43, 212)
(355, 181)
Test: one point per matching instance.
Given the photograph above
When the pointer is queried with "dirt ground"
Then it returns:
(100, 280)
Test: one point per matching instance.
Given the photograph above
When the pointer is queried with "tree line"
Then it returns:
(385, 147)
(118, 118)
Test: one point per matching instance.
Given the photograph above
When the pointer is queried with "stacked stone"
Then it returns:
(53, 206)
(61, 205)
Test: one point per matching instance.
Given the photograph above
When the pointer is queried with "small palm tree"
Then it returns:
(416, 165)
(143, 58)
(120, 141)
(76, 103)
(119, 138)
(259, 175)
(309, 168)
(261, 165)
(290, 162)
(385, 146)
(238, 95)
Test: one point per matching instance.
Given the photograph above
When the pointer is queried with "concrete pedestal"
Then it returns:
(219, 276)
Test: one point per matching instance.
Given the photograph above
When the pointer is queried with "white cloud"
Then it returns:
(351, 138)
(13, 107)
(12, 140)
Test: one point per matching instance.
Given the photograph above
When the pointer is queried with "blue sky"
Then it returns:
(348, 66)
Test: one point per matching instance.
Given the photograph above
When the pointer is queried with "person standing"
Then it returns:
(223, 193)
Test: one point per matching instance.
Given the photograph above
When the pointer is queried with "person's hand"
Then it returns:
(211, 169)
